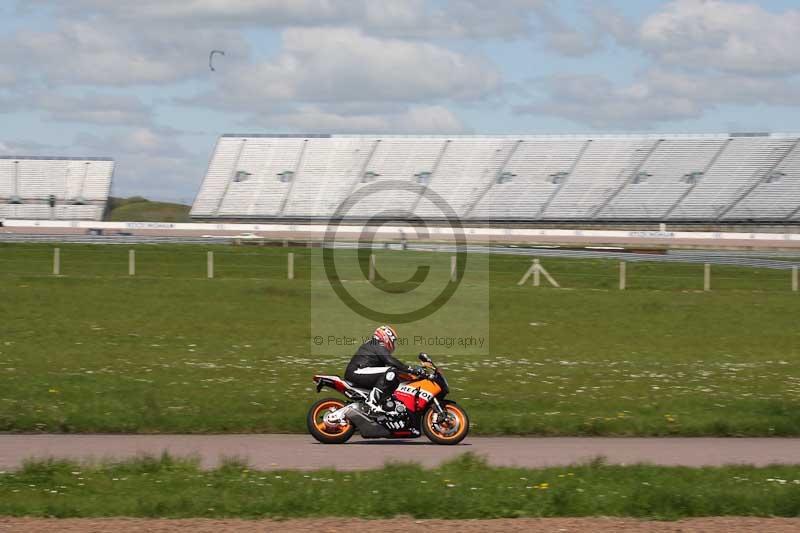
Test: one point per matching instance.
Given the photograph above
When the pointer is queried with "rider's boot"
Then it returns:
(374, 400)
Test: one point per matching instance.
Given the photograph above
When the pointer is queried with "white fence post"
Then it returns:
(290, 265)
(57, 261)
(707, 277)
(794, 279)
(622, 275)
(131, 262)
(372, 267)
(210, 265)
(453, 271)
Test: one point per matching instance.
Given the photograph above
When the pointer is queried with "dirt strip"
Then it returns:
(270, 452)
(338, 525)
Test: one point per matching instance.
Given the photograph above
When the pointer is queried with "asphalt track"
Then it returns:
(271, 452)
(778, 243)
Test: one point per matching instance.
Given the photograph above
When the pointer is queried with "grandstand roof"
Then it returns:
(710, 135)
(53, 158)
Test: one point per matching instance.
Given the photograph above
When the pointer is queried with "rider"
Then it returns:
(373, 366)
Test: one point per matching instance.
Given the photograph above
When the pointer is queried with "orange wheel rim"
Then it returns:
(460, 423)
(319, 415)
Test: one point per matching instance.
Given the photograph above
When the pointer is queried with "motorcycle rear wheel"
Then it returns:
(322, 432)
(450, 432)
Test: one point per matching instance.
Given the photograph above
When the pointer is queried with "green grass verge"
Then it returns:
(464, 488)
(171, 351)
(138, 209)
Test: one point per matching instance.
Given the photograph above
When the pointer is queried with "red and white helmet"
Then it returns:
(386, 335)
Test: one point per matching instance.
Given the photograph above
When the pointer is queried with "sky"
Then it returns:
(131, 80)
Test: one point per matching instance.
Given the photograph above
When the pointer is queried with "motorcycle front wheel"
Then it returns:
(322, 432)
(448, 429)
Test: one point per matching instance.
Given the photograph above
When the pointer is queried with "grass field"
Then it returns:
(464, 488)
(171, 351)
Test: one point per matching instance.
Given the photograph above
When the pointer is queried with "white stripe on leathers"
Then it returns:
(372, 370)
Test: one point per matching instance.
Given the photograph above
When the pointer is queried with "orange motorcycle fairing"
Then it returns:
(416, 395)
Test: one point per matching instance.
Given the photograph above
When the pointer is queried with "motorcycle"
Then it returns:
(417, 406)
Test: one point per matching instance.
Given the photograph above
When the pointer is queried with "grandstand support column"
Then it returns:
(623, 281)
(793, 213)
(84, 179)
(290, 265)
(131, 262)
(297, 166)
(210, 265)
(364, 167)
(628, 181)
(706, 276)
(494, 179)
(230, 177)
(795, 283)
(561, 184)
(766, 174)
(689, 190)
(433, 173)
(56, 261)
(15, 187)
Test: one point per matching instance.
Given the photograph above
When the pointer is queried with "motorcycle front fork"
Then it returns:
(440, 412)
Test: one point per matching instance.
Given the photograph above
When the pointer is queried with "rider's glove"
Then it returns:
(418, 371)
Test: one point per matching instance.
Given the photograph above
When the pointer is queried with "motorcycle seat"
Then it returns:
(353, 386)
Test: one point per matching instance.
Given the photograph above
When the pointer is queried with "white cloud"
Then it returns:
(700, 55)
(91, 53)
(596, 101)
(340, 79)
(395, 18)
(28, 147)
(343, 64)
(411, 119)
(741, 38)
(93, 108)
(659, 95)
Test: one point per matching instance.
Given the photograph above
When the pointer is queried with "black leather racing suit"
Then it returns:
(373, 366)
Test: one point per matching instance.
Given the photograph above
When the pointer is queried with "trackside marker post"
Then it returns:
(131, 262)
(707, 277)
(290, 265)
(210, 265)
(56, 261)
(622, 275)
(548, 277)
(535, 271)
